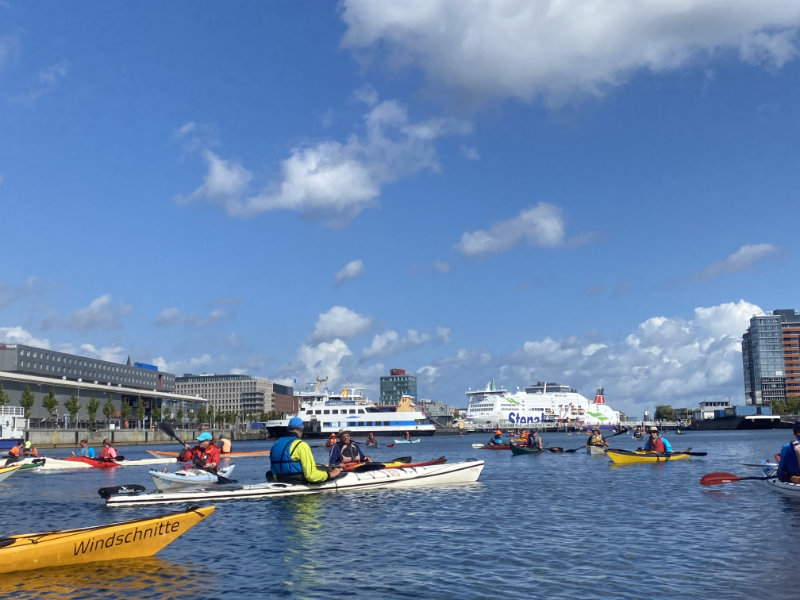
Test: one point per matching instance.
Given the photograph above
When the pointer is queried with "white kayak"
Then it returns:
(596, 450)
(48, 464)
(169, 482)
(784, 486)
(467, 471)
(416, 441)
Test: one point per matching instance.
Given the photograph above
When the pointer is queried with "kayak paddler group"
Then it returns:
(291, 460)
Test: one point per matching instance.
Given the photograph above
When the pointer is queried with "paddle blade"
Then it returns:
(400, 459)
(168, 430)
(555, 449)
(719, 478)
(390, 445)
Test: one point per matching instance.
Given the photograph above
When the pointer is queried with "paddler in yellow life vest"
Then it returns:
(523, 437)
(596, 439)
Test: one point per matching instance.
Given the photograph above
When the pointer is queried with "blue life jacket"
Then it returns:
(280, 457)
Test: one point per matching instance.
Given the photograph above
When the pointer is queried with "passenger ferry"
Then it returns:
(324, 414)
(543, 404)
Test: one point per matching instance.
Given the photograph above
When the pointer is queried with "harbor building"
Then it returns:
(127, 386)
(241, 395)
(396, 385)
(771, 357)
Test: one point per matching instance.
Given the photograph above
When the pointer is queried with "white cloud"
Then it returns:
(18, 335)
(330, 180)
(101, 313)
(173, 316)
(196, 365)
(525, 50)
(441, 266)
(12, 293)
(339, 322)
(9, 50)
(390, 342)
(46, 81)
(352, 269)
(115, 354)
(541, 226)
(739, 260)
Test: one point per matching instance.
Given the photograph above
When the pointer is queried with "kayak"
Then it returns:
(397, 464)
(128, 539)
(493, 447)
(466, 471)
(517, 450)
(48, 465)
(629, 457)
(596, 450)
(8, 470)
(164, 454)
(416, 441)
(168, 482)
(771, 471)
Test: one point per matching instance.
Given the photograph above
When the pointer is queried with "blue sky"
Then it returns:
(595, 193)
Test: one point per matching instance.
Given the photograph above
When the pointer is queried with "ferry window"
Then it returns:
(335, 411)
(326, 412)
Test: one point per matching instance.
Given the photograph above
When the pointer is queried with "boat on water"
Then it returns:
(466, 471)
(12, 426)
(128, 539)
(491, 446)
(323, 414)
(169, 482)
(771, 471)
(596, 450)
(48, 464)
(400, 463)
(715, 415)
(417, 441)
(174, 455)
(543, 404)
(630, 457)
(8, 470)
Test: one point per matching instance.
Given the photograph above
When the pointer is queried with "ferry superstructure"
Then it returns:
(545, 404)
(324, 414)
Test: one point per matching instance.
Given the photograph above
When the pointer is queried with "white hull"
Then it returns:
(170, 482)
(8, 471)
(56, 464)
(596, 450)
(539, 405)
(461, 472)
(782, 486)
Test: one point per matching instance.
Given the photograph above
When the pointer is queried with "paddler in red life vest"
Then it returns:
(331, 441)
(16, 451)
(656, 443)
(204, 455)
(108, 452)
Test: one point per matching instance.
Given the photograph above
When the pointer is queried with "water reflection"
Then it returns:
(297, 530)
(139, 578)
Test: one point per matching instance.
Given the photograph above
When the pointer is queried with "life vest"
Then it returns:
(597, 440)
(658, 446)
(351, 453)
(225, 445)
(280, 457)
(14, 451)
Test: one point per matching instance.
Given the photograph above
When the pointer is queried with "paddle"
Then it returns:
(390, 445)
(128, 490)
(557, 449)
(719, 478)
(399, 459)
(168, 430)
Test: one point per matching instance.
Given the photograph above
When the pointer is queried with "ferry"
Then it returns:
(543, 405)
(324, 414)
(12, 426)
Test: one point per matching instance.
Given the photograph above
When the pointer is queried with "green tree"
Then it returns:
(155, 415)
(140, 412)
(26, 401)
(210, 415)
(108, 409)
(664, 412)
(124, 410)
(202, 414)
(179, 415)
(73, 406)
(50, 404)
(4, 399)
(91, 409)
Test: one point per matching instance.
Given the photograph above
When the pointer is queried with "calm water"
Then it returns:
(541, 526)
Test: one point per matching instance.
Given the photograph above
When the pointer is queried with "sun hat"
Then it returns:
(344, 432)
(295, 423)
(652, 429)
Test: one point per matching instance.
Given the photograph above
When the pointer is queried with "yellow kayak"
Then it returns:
(129, 539)
(630, 457)
(5, 471)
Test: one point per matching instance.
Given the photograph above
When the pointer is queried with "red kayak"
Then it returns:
(95, 462)
(398, 465)
(494, 447)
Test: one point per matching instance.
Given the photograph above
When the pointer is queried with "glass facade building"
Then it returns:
(395, 385)
(763, 359)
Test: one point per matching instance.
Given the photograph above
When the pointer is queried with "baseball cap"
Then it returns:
(295, 423)
(204, 437)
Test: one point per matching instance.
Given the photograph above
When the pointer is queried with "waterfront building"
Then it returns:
(238, 394)
(130, 385)
(396, 385)
(770, 340)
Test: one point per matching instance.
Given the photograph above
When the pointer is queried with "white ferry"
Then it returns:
(324, 414)
(543, 404)
(12, 426)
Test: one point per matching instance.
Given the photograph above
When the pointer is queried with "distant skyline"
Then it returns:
(600, 194)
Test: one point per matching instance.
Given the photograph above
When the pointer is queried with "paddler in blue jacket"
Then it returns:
(656, 443)
(291, 460)
(497, 440)
(789, 464)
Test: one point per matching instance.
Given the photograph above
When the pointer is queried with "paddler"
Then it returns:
(108, 452)
(204, 455)
(789, 463)
(30, 450)
(84, 449)
(291, 460)
(656, 443)
(534, 441)
(497, 440)
(596, 439)
(224, 444)
(331, 440)
(371, 440)
(347, 451)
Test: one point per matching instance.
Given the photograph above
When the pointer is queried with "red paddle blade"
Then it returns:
(718, 478)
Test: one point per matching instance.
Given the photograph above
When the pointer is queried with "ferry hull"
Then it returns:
(736, 424)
